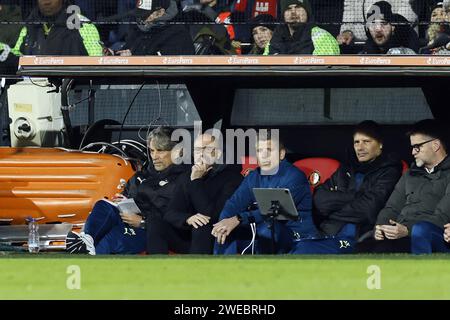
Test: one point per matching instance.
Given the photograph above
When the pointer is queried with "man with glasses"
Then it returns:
(418, 210)
(198, 200)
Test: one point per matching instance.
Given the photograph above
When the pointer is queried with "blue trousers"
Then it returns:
(427, 238)
(110, 234)
(343, 242)
(241, 237)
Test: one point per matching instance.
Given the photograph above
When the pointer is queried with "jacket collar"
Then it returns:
(282, 168)
(443, 166)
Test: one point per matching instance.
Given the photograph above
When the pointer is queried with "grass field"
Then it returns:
(143, 277)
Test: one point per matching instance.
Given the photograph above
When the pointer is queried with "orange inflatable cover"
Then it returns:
(56, 185)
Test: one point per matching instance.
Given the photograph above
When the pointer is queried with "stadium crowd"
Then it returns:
(205, 27)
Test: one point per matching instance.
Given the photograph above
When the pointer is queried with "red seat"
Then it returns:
(249, 163)
(317, 170)
(405, 167)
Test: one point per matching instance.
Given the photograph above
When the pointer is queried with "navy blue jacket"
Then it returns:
(288, 177)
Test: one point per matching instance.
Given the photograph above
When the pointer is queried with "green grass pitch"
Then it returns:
(50, 276)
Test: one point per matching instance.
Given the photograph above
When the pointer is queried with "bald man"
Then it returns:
(187, 226)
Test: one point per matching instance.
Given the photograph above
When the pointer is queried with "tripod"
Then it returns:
(273, 214)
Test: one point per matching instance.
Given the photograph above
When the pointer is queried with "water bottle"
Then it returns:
(33, 236)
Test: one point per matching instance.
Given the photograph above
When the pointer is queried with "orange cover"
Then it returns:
(56, 185)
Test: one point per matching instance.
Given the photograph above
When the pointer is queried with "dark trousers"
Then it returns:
(343, 242)
(402, 245)
(162, 237)
(427, 238)
(240, 238)
(110, 234)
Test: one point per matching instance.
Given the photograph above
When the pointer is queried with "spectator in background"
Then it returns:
(197, 202)
(418, 210)
(221, 14)
(346, 206)
(154, 35)
(346, 38)
(300, 35)
(346, 42)
(109, 232)
(53, 37)
(387, 31)
(13, 14)
(209, 37)
(438, 32)
(262, 27)
(354, 16)
(9, 12)
(246, 10)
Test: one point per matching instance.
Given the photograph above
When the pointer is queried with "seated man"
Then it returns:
(300, 35)
(238, 215)
(106, 230)
(53, 37)
(155, 32)
(415, 215)
(198, 200)
(347, 204)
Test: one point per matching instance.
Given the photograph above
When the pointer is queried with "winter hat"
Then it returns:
(303, 3)
(380, 10)
(436, 5)
(264, 20)
(146, 7)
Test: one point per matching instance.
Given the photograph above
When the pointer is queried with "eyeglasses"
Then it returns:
(416, 147)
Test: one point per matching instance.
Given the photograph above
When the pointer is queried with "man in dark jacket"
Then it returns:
(51, 36)
(348, 203)
(240, 218)
(9, 12)
(388, 33)
(154, 34)
(197, 202)
(414, 217)
(300, 35)
(106, 230)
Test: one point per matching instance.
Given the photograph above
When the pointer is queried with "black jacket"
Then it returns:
(165, 40)
(206, 195)
(299, 43)
(420, 196)
(337, 202)
(60, 41)
(153, 190)
(403, 36)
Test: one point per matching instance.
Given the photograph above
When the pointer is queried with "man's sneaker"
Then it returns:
(80, 243)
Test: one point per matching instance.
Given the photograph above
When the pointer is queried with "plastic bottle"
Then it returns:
(33, 236)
